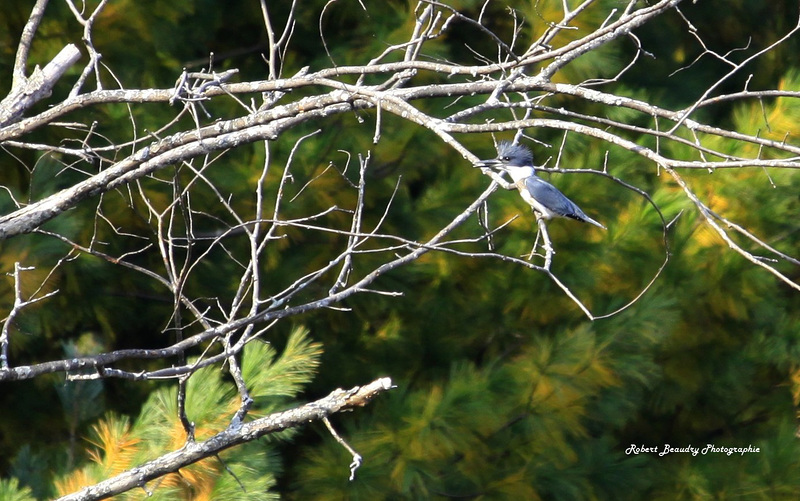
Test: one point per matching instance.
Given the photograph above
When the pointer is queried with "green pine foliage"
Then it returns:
(118, 444)
(11, 490)
(536, 424)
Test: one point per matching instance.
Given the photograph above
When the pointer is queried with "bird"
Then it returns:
(545, 199)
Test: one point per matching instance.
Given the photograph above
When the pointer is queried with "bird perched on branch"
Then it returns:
(543, 197)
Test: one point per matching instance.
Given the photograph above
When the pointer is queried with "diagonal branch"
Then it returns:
(337, 401)
(25, 43)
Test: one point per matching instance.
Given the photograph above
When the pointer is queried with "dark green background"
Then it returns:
(505, 390)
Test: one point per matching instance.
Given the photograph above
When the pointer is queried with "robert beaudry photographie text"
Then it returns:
(708, 449)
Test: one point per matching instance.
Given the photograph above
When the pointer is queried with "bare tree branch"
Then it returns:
(168, 179)
(337, 401)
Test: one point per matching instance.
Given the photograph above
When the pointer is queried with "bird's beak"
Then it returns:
(490, 164)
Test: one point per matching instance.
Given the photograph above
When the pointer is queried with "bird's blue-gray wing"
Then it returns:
(552, 199)
(554, 203)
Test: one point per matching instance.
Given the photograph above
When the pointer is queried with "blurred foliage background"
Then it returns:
(505, 391)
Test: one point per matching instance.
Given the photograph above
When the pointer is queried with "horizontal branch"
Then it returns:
(280, 311)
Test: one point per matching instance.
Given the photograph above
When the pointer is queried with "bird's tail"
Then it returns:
(587, 219)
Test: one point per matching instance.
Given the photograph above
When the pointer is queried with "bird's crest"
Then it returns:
(514, 154)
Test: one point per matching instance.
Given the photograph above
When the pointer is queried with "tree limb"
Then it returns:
(238, 433)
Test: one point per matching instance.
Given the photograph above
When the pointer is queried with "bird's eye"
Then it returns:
(505, 159)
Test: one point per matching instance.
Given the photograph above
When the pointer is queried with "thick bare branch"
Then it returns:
(24, 46)
(38, 86)
(337, 401)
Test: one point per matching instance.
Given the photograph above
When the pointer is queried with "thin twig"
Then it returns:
(357, 459)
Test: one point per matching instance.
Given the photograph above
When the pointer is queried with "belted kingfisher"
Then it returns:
(543, 197)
